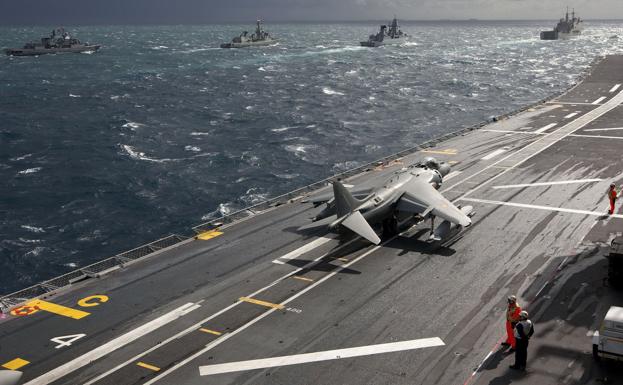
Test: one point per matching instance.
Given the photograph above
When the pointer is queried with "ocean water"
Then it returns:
(160, 130)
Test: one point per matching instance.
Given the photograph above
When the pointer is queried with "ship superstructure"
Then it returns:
(258, 38)
(59, 41)
(391, 35)
(566, 28)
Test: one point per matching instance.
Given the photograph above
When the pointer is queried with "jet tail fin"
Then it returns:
(345, 202)
(357, 223)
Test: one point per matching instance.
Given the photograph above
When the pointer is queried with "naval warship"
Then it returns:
(393, 35)
(259, 38)
(565, 28)
(59, 41)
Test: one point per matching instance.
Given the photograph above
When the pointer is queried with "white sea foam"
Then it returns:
(222, 210)
(329, 91)
(33, 229)
(24, 240)
(35, 252)
(195, 133)
(30, 170)
(192, 148)
(199, 50)
(134, 154)
(74, 96)
(22, 157)
(282, 129)
(132, 125)
(159, 47)
(262, 69)
(287, 176)
(117, 97)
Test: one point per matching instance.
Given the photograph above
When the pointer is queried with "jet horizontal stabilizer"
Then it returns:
(358, 224)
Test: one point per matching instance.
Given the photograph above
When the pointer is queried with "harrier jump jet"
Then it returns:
(412, 190)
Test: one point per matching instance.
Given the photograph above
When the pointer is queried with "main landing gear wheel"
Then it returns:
(390, 227)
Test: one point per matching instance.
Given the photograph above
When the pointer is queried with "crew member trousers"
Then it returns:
(521, 353)
(510, 334)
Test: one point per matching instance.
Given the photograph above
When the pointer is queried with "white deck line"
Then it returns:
(111, 346)
(603, 129)
(302, 250)
(209, 318)
(227, 336)
(550, 139)
(571, 115)
(571, 103)
(548, 183)
(513, 132)
(494, 154)
(547, 208)
(596, 136)
(545, 128)
(616, 87)
(336, 354)
(451, 175)
(599, 100)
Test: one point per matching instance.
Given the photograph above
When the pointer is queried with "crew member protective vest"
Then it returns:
(526, 326)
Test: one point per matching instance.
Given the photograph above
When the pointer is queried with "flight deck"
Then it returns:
(273, 299)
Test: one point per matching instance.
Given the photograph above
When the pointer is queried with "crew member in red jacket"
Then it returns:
(612, 195)
(512, 317)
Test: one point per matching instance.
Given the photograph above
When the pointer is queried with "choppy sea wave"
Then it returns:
(160, 129)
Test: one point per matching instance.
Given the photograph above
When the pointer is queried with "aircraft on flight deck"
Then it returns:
(411, 190)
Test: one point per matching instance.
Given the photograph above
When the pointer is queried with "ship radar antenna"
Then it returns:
(567, 14)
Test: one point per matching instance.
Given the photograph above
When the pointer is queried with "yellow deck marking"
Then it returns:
(261, 303)
(147, 366)
(15, 364)
(57, 309)
(453, 162)
(210, 331)
(302, 278)
(448, 151)
(209, 235)
(94, 300)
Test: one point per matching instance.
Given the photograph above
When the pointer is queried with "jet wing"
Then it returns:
(421, 198)
(358, 193)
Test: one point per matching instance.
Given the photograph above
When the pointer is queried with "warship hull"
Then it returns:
(386, 41)
(261, 43)
(44, 51)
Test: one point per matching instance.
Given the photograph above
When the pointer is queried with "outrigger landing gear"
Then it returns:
(390, 227)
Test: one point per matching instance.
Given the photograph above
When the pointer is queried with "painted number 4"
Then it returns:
(64, 341)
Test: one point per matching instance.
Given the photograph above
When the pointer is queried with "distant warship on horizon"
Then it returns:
(59, 41)
(565, 28)
(393, 35)
(259, 38)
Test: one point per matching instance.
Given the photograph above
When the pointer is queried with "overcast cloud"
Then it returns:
(28, 12)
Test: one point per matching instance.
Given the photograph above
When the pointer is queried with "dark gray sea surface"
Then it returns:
(161, 130)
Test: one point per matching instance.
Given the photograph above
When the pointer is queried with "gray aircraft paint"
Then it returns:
(412, 190)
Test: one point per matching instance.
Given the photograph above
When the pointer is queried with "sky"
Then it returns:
(68, 12)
